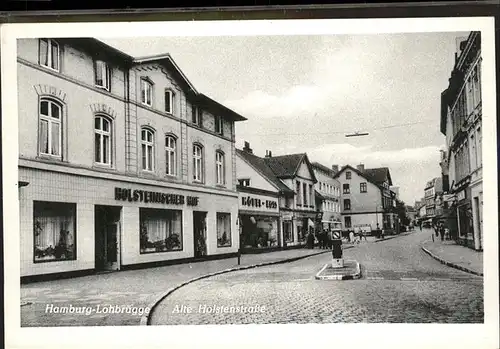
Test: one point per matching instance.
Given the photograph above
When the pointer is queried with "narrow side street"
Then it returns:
(400, 283)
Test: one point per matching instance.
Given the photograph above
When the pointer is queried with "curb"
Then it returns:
(145, 318)
(355, 275)
(452, 265)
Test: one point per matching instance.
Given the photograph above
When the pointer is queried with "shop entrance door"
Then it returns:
(107, 237)
(200, 233)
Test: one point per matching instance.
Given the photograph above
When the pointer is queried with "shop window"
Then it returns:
(288, 231)
(102, 75)
(146, 92)
(198, 163)
(102, 146)
(220, 169)
(148, 149)
(48, 54)
(348, 175)
(54, 231)
(223, 229)
(345, 188)
(160, 230)
(171, 155)
(49, 133)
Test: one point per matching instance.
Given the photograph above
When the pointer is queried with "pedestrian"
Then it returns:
(420, 225)
(441, 230)
(362, 235)
(310, 240)
(351, 236)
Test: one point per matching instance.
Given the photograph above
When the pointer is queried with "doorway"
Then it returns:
(200, 233)
(107, 237)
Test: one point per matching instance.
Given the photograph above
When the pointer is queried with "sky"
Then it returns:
(305, 93)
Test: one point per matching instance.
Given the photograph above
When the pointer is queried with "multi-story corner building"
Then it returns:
(366, 200)
(461, 120)
(432, 188)
(122, 162)
(328, 188)
(293, 179)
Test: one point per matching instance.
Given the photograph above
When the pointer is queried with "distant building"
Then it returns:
(433, 187)
(411, 213)
(461, 123)
(366, 200)
(328, 188)
(292, 178)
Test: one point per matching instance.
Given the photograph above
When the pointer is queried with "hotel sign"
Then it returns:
(123, 194)
(258, 203)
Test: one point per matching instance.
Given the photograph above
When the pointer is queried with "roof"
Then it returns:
(261, 166)
(211, 105)
(323, 168)
(286, 166)
(368, 177)
(378, 175)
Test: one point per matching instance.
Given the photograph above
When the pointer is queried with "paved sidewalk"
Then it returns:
(134, 288)
(456, 256)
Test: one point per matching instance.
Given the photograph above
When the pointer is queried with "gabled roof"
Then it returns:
(287, 166)
(379, 175)
(368, 177)
(323, 168)
(167, 60)
(261, 166)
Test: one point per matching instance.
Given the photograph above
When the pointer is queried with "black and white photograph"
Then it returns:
(278, 173)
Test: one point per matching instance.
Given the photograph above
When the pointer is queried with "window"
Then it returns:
(54, 229)
(220, 168)
(473, 154)
(197, 163)
(147, 145)
(223, 229)
(347, 221)
(218, 125)
(102, 147)
(160, 230)
(50, 137)
(299, 194)
(311, 195)
(345, 188)
(146, 92)
(362, 187)
(48, 55)
(169, 101)
(244, 182)
(347, 204)
(304, 193)
(170, 153)
(196, 116)
(348, 175)
(102, 75)
(479, 141)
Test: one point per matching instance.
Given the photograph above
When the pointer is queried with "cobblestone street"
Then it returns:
(400, 284)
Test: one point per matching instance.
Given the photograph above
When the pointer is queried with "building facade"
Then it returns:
(461, 121)
(366, 200)
(121, 161)
(328, 188)
(433, 188)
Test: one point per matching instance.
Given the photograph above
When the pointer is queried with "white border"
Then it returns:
(339, 335)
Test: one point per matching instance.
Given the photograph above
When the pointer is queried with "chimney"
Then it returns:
(247, 148)
(268, 154)
(335, 168)
(361, 167)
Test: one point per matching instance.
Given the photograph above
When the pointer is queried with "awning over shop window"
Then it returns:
(310, 223)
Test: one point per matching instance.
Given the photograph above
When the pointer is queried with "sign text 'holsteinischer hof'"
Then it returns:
(146, 196)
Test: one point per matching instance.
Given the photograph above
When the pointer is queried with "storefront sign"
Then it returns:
(258, 203)
(461, 195)
(145, 196)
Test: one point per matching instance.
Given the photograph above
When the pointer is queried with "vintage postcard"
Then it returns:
(301, 175)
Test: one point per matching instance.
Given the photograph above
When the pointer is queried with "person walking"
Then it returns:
(441, 230)
(420, 225)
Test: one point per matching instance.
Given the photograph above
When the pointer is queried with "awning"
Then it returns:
(310, 223)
